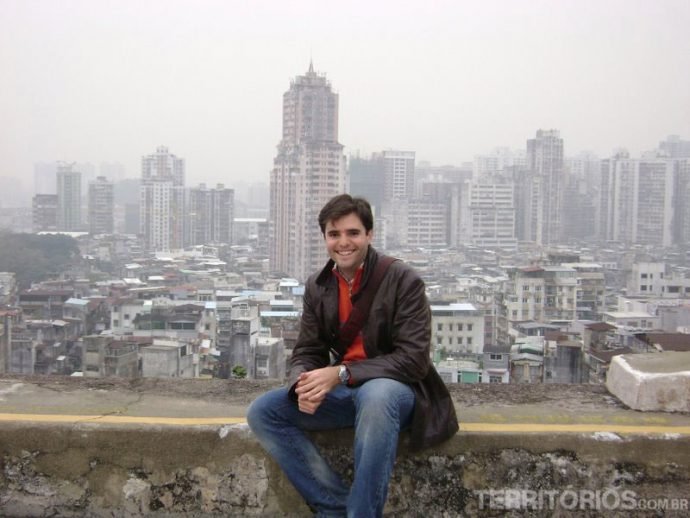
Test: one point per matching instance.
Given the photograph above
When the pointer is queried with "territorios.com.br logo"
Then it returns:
(610, 499)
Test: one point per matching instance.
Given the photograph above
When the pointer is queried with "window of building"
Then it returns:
(469, 327)
(439, 327)
(495, 379)
(496, 356)
(459, 327)
(469, 340)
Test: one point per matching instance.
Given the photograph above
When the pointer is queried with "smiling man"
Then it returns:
(362, 361)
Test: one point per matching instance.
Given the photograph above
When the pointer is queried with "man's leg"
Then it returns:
(279, 425)
(383, 408)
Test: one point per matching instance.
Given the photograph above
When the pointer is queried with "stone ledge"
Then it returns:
(106, 470)
(86, 468)
(651, 381)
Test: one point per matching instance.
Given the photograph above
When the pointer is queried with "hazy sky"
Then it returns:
(97, 80)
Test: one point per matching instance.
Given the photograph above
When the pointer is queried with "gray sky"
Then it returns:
(97, 80)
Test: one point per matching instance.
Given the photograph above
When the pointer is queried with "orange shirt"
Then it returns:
(356, 349)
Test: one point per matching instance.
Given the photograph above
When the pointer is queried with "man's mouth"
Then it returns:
(345, 252)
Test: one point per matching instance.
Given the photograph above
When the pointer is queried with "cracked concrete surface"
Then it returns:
(91, 468)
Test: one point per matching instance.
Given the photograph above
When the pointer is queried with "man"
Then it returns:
(382, 384)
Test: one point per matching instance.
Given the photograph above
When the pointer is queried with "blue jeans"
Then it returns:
(378, 410)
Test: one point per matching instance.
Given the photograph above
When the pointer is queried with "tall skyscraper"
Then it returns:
(639, 200)
(545, 196)
(211, 213)
(69, 197)
(308, 170)
(101, 206)
(162, 201)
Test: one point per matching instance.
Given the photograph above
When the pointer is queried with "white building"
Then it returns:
(639, 200)
(162, 207)
(491, 213)
(69, 197)
(457, 329)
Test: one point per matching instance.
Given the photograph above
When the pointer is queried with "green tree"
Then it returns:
(33, 258)
(239, 372)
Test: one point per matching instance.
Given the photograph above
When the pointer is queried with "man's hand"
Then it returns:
(313, 386)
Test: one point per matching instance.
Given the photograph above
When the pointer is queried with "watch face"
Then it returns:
(342, 374)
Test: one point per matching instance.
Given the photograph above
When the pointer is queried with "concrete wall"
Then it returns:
(110, 470)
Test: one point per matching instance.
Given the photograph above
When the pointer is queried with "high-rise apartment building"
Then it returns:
(308, 170)
(398, 167)
(69, 198)
(497, 161)
(492, 212)
(44, 212)
(162, 207)
(210, 214)
(639, 201)
(543, 194)
(367, 178)
(101, 206)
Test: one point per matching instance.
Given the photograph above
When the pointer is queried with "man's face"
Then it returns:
(347, 242)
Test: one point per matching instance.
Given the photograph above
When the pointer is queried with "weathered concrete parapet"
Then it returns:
(99, 471)
(544, 450)
(651, 381)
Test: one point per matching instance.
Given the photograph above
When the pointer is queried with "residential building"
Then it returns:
(591, 292)
(496, 364)
(210, 213)
(367, 179)
(542, 195)
(491, 213)
(527, 360)
(457, 329)
(69, 198)
(308, 170)
(44, 213)
(101, 206)
(237, 336)
(647, 279)
(162, 210)
(499, 160)
(674, 147)
(639, 203)
(106, 356)
(427, 223)
(168, 358)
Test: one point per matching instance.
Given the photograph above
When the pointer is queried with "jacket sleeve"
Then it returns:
(406, 356)
(310, 351)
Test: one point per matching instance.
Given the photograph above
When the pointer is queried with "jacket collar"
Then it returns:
(326, 275)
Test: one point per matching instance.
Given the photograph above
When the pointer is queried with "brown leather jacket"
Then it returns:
(396, 337)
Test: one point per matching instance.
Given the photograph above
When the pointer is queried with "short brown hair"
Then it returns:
(342, 205)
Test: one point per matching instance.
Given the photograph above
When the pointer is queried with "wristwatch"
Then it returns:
(344, 374)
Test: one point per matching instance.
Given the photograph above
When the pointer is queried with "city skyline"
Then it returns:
(444, 80)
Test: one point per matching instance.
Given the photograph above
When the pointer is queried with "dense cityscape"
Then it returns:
(539, 266)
